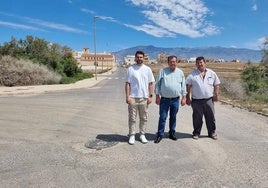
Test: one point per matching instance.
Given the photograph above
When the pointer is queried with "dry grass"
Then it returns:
(226, 69)
(14, 72)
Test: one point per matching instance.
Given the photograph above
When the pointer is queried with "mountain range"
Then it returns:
(227, 54)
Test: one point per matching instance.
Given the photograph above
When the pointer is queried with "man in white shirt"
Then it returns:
(139, 93)
(203, 85)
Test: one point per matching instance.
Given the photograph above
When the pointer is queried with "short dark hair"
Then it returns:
(171, 57)
(200, 58)
(139, 52)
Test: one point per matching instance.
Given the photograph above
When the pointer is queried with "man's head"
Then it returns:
(201, 63)
(172, 62)
(139, 55)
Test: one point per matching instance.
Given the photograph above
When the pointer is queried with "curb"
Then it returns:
(38, 89)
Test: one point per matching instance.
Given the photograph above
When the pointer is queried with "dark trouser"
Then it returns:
(203, 107)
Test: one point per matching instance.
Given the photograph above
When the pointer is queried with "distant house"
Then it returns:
(191, 60)
(86, 60)
(221, 60)
(129, 60)
(236, 60)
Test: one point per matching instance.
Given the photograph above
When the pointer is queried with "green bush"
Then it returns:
(255, 79)
(77, 77)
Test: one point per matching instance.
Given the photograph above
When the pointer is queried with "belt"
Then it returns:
(202, 99)
(170, 98)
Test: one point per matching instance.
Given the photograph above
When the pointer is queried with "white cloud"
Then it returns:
(54, 25)
(152, 30)
(19, 26)
(43, 23)
(110, 19)
(255, 7)
(88, 11)
(93, 13)
(185, 17)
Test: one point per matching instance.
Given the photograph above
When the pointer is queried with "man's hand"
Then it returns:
(215, 98)
(157, 99)
(128, 100)
(188, 101)
(149, 100)
(183, 100)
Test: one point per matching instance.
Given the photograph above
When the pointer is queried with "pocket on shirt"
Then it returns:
(179, 81)
(210, 81)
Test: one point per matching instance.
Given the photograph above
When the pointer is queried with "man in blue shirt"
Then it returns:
(170, 89)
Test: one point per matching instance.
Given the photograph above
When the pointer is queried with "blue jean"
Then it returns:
(170, 105)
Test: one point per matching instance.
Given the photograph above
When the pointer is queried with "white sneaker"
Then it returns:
(131, 140)
(143, 139)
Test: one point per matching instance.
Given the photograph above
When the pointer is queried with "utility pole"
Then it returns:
(95, 55)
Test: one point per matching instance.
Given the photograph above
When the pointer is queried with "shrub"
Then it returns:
(15, 72)
(232, 87)
(78, 76)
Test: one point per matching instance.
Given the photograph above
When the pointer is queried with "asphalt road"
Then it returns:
(78, 138)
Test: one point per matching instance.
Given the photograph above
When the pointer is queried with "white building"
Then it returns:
(129, 60)
(191, 60)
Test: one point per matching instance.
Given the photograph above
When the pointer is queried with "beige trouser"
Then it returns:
(138, 105)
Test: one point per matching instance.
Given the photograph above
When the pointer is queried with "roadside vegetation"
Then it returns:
(255, 82)
(19, 72)
(256, 77)
(34, 61)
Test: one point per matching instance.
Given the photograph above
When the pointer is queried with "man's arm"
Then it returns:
(216, 93)
(127, 91)
(188, 99)
(150, 90)
(183, 91)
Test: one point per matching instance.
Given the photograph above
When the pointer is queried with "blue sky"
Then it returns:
(127, 23)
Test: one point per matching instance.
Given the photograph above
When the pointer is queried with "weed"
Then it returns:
(16, 72)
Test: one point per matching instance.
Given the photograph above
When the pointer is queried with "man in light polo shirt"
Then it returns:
(170, 90)
(203, 86)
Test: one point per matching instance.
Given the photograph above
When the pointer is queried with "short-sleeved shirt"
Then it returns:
(170, 84)
(202, 88)
(139, 78)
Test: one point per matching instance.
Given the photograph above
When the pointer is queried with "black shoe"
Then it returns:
(158, 139)
(172, 136)
(213, 136)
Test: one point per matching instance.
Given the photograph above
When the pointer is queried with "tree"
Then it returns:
(264, 60)
(10, 48)
(252, 75)
(256, 76)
